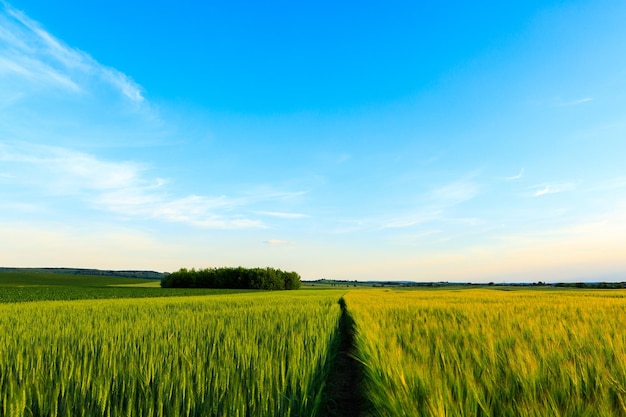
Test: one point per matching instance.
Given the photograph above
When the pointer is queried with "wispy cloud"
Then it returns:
(34, 65)
(552, 189)
(30, 53)
(564, 103)
(519, 176)
(124, 188)
(409, 221)
(35, 72)
(454, 193)
(201, 211)
(66, 171)
(546, 190)
(432, 206)
(21, 207)
(283, 215)
(268, 192)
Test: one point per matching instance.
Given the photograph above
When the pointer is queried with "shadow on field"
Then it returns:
(343, 388)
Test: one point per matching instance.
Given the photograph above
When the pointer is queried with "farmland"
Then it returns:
(492, 353)
(38, 286)
(145, 351)
(241, 355)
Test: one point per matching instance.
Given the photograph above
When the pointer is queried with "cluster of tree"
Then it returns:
(599, 285)
(237, 278)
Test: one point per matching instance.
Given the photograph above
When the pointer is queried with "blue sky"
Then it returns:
(396, 141)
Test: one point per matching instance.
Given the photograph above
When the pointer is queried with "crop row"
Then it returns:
(492, 353)
(424, 353)
(236, 355)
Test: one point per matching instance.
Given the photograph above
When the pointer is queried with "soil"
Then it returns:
(344, 385)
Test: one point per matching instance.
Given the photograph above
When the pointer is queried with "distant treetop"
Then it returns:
(236, 278)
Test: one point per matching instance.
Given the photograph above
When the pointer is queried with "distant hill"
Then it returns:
(90, 272)
(581, 284)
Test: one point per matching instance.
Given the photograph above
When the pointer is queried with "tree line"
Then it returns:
(233, 278)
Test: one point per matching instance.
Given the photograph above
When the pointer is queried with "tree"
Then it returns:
(236, 278)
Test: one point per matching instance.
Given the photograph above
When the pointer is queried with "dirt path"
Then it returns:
(344, 385)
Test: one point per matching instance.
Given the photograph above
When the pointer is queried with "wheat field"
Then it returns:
(492, 353)
(258, 354)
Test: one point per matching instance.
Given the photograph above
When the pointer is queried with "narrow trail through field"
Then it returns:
(344, 385)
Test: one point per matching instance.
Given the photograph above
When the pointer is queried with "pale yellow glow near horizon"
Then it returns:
(584, 251)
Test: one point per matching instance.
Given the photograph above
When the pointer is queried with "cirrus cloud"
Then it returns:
(30, 54)
(120, 187)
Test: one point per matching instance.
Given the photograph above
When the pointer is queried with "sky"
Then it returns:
(400, 140)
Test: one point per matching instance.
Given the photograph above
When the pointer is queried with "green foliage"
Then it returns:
(238, 278)
(589, 285)
(254, 354)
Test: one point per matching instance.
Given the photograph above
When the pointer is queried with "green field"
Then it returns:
(37, 286)
(492, 353)
(30, 279)
(243, 355)
(148, 351)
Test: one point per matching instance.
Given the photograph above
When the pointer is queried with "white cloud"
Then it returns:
(266, 192)
(516, 177)
(553, 189)
(565, 103)
(124, 83)
(454, 193)
(34, 67)
(35, 72)
(194, 210)
(430, 207)
(546, 190)
(282, 215)
(403, 222)
(67, 170)
(121, 187)
(21, 207)
(29, 52)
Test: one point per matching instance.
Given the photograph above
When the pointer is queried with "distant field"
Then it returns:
(145, 284)
(40, 286)
(13, 279)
